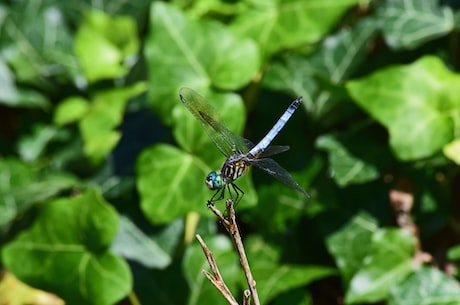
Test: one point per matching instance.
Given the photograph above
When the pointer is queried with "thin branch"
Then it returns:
(246, 297)
(215, 278)
(232, 228)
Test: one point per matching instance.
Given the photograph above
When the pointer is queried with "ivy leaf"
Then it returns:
(37, 44)
(97, 127)
(106, 45)
(417, 103)
(452, 151)
(336, 59)
(351, 244)
(22, 185)
(346, 168)
(388, 262)
(193, 53)
(278, 25)
(178, 184)
(409, 24)
(427, 286)
(133, 244)
(70, 110)
(66, 252)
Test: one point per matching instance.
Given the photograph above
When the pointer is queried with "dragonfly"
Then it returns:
(240, 152)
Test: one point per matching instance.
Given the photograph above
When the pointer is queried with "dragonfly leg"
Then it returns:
(220, 192)
(239, 193)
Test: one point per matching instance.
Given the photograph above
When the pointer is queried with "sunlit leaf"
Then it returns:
(351, 244)
(452, 151)
(388, 262)
(70, 110)
(66, 251)
(105, 45)
(277, 25)
(183, 52)
(133, 244)
(106, 112)
(427, 286)
(417, 103)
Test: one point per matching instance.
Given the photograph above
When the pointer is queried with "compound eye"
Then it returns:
(214, 181)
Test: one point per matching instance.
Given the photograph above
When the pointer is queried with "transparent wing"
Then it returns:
(274, 169)
(273, 150)
(225, 140)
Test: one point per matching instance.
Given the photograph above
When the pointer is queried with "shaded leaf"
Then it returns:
(345, 167)
(336, 58)
(273, 277)
(409, 24)
(22, 185)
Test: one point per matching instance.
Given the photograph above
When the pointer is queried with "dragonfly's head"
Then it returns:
(214, 180)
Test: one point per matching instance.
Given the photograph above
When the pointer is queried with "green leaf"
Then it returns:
(66, 252)
(184, 52)
(387, 264)
(105, 45)
(105, 114)
(37, 44)
(170, 183)
(452, 151)
(12, 96)
(351, 244)
(133, 244)
(337, 57)
(278, 25)
(454, 253)
(426, 286)
(191, 136)
(22, 185)
(31, 147)
(409, 24)
(346, 168)
(417, 103)
(70, 110)
(274, 278)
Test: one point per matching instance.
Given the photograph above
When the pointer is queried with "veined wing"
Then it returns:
(274, 169)
(225, 140)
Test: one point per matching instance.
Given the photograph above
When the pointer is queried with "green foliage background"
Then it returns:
(102, 167)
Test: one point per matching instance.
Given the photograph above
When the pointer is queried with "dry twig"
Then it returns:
(231, 226)
(215, 278)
